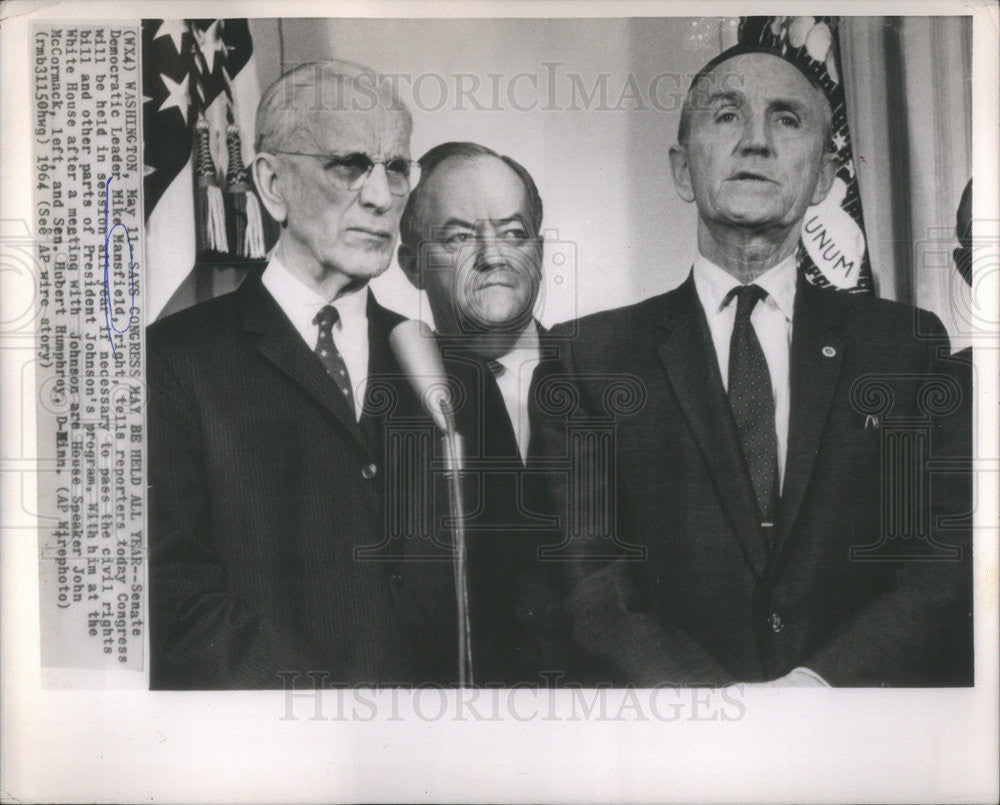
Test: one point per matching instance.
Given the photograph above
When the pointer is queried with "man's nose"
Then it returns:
(756, 136)
(488, 251)
(374, 192)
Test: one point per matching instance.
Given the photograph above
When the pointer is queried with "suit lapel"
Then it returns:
(385, 377)
(814, 367)
(278, 341)
(691, 366)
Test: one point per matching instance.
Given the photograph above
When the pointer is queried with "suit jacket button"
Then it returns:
(396, 578)
(369, 471)
(774, 621)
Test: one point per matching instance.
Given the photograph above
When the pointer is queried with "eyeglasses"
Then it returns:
(351, 171)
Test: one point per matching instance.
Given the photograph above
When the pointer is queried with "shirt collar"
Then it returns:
(301, 303)
(526, 349)
(714, 284)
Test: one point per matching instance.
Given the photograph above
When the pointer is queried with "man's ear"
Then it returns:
(681, 173)
(827, 173)
(407, 260)
(266, 169)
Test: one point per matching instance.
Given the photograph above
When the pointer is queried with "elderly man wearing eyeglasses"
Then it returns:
(275, 517)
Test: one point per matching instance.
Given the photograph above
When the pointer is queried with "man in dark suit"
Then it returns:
(274, 524)
(767, 513)
(471, 238)
(960, 367)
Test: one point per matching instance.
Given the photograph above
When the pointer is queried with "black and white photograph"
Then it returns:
(520, 402)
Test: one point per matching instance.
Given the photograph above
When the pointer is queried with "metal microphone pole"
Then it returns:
(452, 442)
(416, 350)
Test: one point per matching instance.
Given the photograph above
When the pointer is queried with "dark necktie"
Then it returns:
(752, 402)
(499, 438)
(328, 353)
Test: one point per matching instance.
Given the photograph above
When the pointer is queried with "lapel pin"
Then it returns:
(872, 422)
(829, 352)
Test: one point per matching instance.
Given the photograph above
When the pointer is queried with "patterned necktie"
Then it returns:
(327, 352)
(752, 402)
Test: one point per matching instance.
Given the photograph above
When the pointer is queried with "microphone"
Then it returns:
(415, 348)
(413, 344)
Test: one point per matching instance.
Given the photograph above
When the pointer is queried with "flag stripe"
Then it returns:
(199, 76)
(170, 239)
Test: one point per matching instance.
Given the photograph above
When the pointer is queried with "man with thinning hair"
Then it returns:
(470, 237)
(269, 411)
(766, 524)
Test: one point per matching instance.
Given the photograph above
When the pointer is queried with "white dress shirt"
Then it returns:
(350, 334)
(515, 381)
(772, 322)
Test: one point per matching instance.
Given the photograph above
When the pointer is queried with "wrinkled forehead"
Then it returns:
(476, 189)
(378, 132)
(755, 75)
(316, 108)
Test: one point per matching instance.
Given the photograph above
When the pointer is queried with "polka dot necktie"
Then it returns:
(752, 402)
(330, 355)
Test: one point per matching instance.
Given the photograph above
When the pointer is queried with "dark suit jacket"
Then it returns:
(687, 591)
(278, 523)
(515, 608)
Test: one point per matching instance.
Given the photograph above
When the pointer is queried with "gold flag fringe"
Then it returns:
(211, 210)
(247, 221)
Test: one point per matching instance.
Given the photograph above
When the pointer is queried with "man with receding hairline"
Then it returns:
(268, 417)
(749, 487)
(470, 237)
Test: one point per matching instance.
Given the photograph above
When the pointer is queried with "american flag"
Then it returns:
(203, 218)
(832, 249)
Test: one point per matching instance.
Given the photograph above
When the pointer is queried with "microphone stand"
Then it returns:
(452, 443)
(416, 350)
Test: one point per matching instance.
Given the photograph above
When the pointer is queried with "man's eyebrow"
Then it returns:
(349, 153)
(513, 219)
(724, 97)
(339, 156)
(789, 105)
(457, 222)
